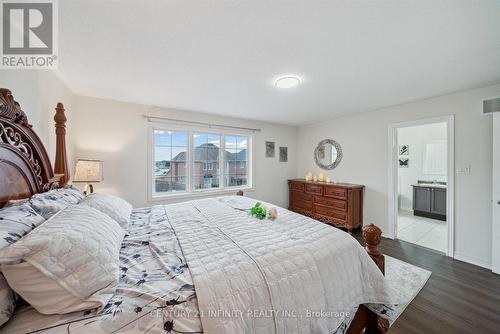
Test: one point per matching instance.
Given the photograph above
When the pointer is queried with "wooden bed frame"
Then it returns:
(25, 170)
(24, 163)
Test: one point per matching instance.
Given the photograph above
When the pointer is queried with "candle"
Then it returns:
(315, 178)
(321, 177)
(328, 180)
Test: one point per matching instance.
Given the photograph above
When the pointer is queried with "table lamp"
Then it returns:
(88, 171)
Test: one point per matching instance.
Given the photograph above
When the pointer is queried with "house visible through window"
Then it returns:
(169, 167)
(236, 173)
(187, 161)
(206, 152)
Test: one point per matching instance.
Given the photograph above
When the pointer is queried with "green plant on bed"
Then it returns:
(258, 211)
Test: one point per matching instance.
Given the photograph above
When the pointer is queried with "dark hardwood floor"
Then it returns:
(457, 298)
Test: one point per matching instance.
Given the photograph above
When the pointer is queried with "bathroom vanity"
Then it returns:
(429, 199)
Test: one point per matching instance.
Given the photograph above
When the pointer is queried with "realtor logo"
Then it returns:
(29, 38)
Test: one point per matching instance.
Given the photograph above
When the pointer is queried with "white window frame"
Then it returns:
(190, 191)
(151, 156)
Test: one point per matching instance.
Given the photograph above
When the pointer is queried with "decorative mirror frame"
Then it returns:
(339, 154)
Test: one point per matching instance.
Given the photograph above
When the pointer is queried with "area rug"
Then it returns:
(405, 281)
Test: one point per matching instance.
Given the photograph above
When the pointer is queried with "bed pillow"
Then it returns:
(17, 221)
(7, 301)
(49, 203)
(69, 263)
(71, 194)
(113, 206)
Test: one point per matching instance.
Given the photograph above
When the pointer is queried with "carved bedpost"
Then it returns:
(371, 236)
(61, 163)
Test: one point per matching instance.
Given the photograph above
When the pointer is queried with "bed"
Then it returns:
(206, 266)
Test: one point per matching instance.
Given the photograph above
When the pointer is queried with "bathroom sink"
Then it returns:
(434, 185)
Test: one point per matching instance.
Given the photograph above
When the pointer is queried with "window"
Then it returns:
(206, 153)
(236, 173)
(169, 167)
(207, 166)
(186, 161)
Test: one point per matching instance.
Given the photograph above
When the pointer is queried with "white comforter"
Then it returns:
(237, 275)
(292, 275)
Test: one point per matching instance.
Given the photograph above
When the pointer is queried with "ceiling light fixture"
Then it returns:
(287, 81)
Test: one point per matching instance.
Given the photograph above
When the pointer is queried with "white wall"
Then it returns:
(116, 133)
(38, 92)
(417, 137)
(364, 141)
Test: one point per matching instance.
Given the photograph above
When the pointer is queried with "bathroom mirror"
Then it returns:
(328, 154)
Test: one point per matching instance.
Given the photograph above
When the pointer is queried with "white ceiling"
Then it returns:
(221, 56)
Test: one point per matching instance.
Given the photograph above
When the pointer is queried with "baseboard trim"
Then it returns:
(472, 260)
(388, 235)
(408, 210)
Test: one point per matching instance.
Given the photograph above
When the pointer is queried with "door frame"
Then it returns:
(495, 216)
(393, 176)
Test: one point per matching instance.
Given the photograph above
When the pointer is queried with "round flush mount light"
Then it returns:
(287, 81)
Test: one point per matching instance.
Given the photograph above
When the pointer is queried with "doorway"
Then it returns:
(421, 183)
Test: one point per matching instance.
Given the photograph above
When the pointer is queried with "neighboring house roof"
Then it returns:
(210, 152)
(241, 155)
(180, 157)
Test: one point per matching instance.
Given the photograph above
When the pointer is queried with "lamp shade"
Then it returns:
(88, 171)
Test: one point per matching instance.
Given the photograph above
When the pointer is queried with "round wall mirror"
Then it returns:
(328, 154)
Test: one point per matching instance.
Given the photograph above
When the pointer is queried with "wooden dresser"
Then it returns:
(339, 204)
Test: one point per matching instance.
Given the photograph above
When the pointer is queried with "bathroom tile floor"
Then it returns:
(426, 232)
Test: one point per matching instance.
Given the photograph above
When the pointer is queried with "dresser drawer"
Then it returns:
(336, 192)
(296, 186)
(314, 189)
(339, 204)
(331, 202)
(330, 212)
(297, 195)
(305, 205)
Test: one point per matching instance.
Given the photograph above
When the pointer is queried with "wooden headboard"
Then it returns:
(25, 167)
